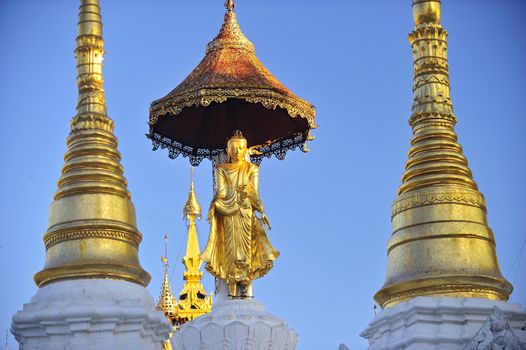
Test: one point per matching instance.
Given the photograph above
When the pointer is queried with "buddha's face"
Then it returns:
(236, 149)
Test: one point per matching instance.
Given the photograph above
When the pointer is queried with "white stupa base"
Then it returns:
(85, 314)
(233, 325)
(427, 323)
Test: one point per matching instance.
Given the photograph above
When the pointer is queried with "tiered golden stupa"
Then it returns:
(193, 301)
(441, 243)
(167, 303)
(92, 229)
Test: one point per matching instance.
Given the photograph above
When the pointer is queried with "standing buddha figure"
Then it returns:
(238, 249)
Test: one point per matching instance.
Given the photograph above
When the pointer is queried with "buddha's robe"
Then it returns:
(238, 248)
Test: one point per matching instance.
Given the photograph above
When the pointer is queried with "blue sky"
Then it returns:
(330, 208)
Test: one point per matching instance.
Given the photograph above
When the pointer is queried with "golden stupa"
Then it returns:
(167, 303)
(441, 243)
(193, 301)
(92, 228)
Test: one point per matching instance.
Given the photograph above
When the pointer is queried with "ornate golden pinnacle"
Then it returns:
(426, 11)
(441, 243)
(193, 301)
(230, 5)
(192, 209)
(167, 303)
(91, 104)
(92, 229)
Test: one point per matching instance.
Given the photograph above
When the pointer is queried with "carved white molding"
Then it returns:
(431, 323)
(236, 324)
(87, 314)
(495, 333)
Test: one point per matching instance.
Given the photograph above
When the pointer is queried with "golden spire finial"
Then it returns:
(426, 11)
(192, 211)
(441, 243)
(192, 207)
(230, 35)
(230, 5)
(92, 229)
(167, 303)
(91, 104)
(193, 301)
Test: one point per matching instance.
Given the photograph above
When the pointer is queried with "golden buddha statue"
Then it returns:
(238, 249)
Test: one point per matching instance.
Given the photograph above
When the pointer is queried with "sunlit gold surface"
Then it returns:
(92, 230)
(230, 69)
(167, 303)
(441, 243)
(192, 209)
(193, 301)
(426, 11)
(238, 249)
(167, 345)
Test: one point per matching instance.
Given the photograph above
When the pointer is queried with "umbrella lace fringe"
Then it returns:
(278, 148)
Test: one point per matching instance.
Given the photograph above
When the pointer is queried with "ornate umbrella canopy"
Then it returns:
(230, 90)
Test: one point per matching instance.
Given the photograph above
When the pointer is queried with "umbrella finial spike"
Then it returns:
(230, 5)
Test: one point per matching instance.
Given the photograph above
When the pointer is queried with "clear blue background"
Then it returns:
(330, 209)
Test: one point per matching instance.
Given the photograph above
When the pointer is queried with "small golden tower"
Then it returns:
(167, 303)
(92, 229)
(193, 301)
(441, 243)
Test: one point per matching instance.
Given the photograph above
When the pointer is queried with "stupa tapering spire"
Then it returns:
(230, 5)
(167, 302)
(193, 301)
(92, 227)
(441, 243)
(91, 104)
(192, 211)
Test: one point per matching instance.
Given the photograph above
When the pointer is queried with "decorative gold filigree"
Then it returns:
(52, 238)
(417, 199)
(204, 97)
(456, 290)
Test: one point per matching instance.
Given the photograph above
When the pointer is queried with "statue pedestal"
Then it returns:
(236, 324)
(90, 314)
(427, 323)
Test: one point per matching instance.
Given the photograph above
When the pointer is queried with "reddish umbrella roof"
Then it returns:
(229, 72)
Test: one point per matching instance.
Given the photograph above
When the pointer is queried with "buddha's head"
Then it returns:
(236, 147)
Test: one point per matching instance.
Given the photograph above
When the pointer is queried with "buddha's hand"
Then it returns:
(264, 218)
(211, 213)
